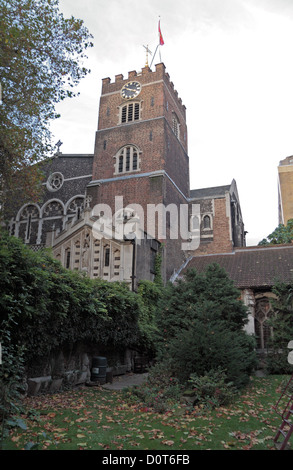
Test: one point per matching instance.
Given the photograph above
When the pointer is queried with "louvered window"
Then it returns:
(130, 112)
(175, 125)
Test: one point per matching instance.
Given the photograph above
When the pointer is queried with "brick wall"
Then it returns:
(158, 146)
(158, 97)
(221, 242)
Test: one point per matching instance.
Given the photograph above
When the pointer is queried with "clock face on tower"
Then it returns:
(130, 90)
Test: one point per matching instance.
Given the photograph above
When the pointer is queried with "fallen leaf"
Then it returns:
(168, 443)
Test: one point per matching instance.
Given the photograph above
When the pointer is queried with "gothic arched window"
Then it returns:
(53, 208)
(206, 222)
(263, 331)
(52, 216)
(127, 159)
(28, 223)
(175, 125)
(75, 206)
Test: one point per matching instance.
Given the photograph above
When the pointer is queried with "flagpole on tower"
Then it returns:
(161, 42)
(154, 55)
(147, 53)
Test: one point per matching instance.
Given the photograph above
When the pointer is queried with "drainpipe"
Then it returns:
(132, 239)
(133, 263)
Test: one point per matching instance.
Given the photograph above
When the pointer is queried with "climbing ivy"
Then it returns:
(50, 307)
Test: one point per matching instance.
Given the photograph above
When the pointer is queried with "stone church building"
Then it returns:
(109, 214)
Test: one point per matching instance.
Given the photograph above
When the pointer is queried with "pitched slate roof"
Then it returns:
(218, 191)
(251, 267)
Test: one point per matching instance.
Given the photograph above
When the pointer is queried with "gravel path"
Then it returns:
(126, 380)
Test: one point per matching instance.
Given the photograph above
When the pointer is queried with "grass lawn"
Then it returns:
(97, 419)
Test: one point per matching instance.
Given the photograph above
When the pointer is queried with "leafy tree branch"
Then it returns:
(41, 61)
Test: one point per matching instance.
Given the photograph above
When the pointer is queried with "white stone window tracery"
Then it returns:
(29, 211)
(53, 209)
(263, 312)
(29, 215)
(76, 207)
(127, 160)
(55, 181)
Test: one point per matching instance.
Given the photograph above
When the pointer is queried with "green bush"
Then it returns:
(282, 324)
(212, 389)
(160, 390)
(201, 328)
(11, 381)
(204, 347)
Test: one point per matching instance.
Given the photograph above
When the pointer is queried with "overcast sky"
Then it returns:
(231, 62)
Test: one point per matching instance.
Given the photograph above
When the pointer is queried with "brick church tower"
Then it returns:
(109, 214)
(141, 155)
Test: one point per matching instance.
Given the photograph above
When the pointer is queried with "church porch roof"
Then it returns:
(251, 267)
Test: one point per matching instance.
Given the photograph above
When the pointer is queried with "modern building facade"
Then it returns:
(285, 190)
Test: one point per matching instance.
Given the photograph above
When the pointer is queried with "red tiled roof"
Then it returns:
(259, 266)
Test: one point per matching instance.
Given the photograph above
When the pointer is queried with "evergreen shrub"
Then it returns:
(201, 327)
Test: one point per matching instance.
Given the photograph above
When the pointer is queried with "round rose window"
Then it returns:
(55, 181)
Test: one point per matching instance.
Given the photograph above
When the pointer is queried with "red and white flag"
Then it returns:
(160, 36)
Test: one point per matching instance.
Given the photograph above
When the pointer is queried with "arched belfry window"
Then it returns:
(127, 159)
(130, 112)
(176, 125)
